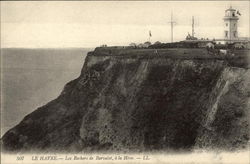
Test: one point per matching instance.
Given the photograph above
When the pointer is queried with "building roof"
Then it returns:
(197, 41)
(230, 9)
(234, 40)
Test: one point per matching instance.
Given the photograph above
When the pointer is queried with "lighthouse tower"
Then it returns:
(230, 25)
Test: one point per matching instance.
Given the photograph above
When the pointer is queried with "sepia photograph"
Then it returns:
(125, 82)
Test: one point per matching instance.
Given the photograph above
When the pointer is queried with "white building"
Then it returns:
(231, 29)
(230, 25)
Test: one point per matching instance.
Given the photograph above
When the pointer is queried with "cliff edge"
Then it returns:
(137, 102)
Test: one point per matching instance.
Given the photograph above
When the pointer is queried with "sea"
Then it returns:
(30, 78)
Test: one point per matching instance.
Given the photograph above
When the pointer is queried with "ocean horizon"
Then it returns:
(32, 77)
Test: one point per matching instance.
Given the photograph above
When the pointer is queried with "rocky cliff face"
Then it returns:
(140, 103)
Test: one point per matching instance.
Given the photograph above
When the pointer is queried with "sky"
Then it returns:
(59, 24)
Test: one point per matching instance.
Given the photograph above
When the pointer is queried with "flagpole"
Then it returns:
(172, 27)
(149, 35)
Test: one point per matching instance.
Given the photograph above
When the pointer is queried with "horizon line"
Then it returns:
(44, 47)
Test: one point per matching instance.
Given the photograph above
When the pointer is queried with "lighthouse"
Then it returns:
(230, 25)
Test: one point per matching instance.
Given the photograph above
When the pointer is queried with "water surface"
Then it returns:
(33, 77)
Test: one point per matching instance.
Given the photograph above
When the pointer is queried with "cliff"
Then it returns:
(136, 101)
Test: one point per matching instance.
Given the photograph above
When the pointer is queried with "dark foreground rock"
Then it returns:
(134, 103)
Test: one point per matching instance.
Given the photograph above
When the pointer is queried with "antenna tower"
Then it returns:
(193, 27)
(172, 27)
